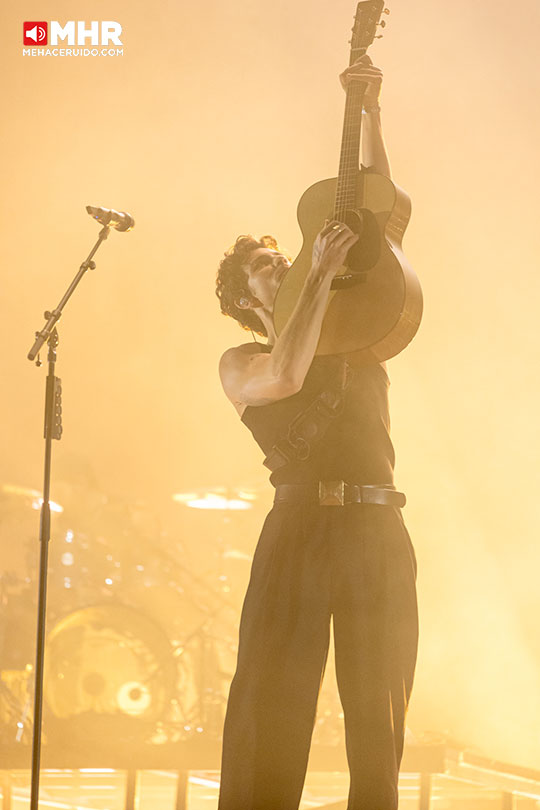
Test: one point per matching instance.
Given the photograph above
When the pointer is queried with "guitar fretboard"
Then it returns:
(350, 151)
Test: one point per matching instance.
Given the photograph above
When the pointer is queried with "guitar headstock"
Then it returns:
(367, 20)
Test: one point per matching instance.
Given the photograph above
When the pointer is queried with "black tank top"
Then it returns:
(356, 446)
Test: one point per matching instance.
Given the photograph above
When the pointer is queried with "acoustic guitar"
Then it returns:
(375, 302)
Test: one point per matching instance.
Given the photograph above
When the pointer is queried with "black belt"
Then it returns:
(339, 493)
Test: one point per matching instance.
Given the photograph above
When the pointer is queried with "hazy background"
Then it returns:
(212, 124)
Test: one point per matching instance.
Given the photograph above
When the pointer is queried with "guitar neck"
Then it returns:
(368, 15)
(350, 151)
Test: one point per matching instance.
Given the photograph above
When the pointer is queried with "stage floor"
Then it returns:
(105, 789)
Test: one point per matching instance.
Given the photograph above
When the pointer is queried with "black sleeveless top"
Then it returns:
(356, 446)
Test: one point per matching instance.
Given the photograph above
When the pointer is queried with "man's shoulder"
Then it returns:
(235, 368)
(236, 360)
(236, 353)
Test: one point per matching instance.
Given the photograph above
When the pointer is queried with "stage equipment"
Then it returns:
(375, 302)
(120, 220)
(115, 566)
(229, 519)
(112, 569)
(108, 667)
(219, 498)
(53, 430)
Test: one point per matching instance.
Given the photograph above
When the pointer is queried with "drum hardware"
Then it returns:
(112, 569)
(16, 706)
(229, 516)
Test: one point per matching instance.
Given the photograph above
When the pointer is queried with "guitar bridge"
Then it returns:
(348, 280)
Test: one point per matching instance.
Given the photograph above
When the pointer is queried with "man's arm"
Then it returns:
(373, 147)
(258, 379)
(374, 152)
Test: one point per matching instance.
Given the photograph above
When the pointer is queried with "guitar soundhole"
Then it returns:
(365, 254)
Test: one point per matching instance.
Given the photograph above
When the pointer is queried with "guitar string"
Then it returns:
(350, 146)
(347, 177)
(350, 151)
(343, 168)
(351, 141)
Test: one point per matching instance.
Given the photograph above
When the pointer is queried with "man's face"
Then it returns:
(265, 269)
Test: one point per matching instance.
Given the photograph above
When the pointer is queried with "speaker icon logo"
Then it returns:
(35, 33)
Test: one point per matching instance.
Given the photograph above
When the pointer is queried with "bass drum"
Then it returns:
(110, 670)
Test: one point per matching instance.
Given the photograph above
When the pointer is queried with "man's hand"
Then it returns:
(363, 70)
(331, 247)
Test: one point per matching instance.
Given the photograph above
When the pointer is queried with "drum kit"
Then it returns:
(142, 616)
(141, 623)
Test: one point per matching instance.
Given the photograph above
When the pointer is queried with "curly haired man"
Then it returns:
(353, 565)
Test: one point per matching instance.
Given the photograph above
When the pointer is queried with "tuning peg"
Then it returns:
(382, 23)
(386, 11)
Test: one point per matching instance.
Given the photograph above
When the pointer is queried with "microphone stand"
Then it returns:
(53, 430)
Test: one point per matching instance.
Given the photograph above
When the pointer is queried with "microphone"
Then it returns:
(120, 220)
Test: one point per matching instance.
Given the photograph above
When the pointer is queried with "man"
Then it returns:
(353, 565)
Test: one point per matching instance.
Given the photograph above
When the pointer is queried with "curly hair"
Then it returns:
(231, 281)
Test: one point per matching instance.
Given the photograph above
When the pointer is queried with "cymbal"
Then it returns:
(33, 495)
(218, 498)
(236, 554)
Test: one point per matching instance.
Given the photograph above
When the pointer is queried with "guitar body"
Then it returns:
(375, 304)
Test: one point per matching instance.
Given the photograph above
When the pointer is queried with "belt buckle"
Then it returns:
(331, 493)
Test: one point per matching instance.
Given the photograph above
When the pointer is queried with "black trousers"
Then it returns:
(354, 563)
